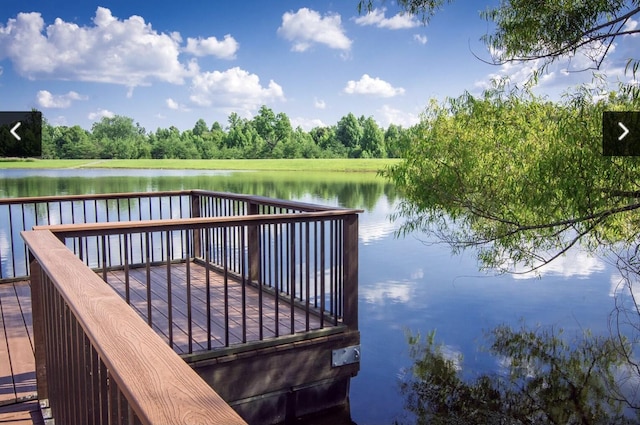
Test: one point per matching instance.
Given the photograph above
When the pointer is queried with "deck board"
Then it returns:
(238, 331)
(25, 413)
(17, 361)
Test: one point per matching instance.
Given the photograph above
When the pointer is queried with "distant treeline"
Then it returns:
(267, 135)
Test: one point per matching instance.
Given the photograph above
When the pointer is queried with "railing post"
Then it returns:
(39, 343)
(253, 241)
(196, 212)
(350, 270)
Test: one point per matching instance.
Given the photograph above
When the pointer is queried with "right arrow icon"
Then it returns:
(625, 131)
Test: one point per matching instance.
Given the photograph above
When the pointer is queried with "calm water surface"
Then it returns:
(405, 284)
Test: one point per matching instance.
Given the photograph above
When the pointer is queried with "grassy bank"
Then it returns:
(349, 165)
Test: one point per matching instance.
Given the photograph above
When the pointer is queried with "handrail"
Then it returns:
(141, 379)
(304, 259)
(91, 197)
(264, 200)
(304, 206)
(23, 213)
(127, 227)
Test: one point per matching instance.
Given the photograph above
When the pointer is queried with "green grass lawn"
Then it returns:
(340, 164)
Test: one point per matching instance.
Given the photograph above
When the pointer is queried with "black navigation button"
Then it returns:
(21, 134)
(621, 133)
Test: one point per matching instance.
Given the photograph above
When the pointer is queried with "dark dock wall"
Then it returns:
(273, 384)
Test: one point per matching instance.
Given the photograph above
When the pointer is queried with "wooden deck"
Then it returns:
(23, 413)
(18, 398)
(239, 331)
(278, 338)
(18, 404)
(17, 362)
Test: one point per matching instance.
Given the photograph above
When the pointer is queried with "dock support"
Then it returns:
(350, 249)
(38, 330)
(253, 241)
(196, 212)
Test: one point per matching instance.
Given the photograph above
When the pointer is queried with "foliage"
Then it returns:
(546, 379)
(520, 178)
(426, 9)
(548, 30)
(267, 135)
(528, 30)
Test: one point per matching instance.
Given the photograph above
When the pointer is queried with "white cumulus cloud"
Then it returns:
(319, 103)
(377, 18)
(307, 124)
(422, 39)
(372, 86)
(172, 104)
(307, 27)
(175, 105)
(99, 114)
(575, 263)
(631, 25)
(48, 100)
(112, 50)
(233, 89)
(224, 49)
(396, 116)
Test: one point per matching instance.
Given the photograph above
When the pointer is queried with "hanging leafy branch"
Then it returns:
(519, 178)
(527, 30)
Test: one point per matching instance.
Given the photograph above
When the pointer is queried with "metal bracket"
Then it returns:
(345, 356)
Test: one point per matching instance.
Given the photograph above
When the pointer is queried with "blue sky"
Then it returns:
(169, 63)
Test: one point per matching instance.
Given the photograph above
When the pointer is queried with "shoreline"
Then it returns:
(330, 164)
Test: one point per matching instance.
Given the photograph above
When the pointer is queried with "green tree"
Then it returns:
(395, 140)
(76, 143)
(48, 147)
(325, 138)
(216, 140)
(119, 137)
(237, 136)
(200, 128)
(349, 132)
(188, 147)
(272, 128)
(372, 141)
(164, 143)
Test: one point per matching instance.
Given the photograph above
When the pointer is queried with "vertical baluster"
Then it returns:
(307, 262)
(263, 263)
(225, 262)
(169, 297)
(127, 286)
(12, 244)
(277, 261)
(323, 272)
(148, 270)
(104, 257)
(292, 275)
(119, 237)
(207, 265)
(189, 305)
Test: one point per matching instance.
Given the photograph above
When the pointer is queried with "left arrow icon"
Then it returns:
(13, 131)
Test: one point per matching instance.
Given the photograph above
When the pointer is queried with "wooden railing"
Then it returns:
(304, 262)
(96, 360)
(18, 214)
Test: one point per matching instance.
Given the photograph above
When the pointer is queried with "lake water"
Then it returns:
(405, 284)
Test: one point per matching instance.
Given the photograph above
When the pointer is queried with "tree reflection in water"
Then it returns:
(544, 378)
